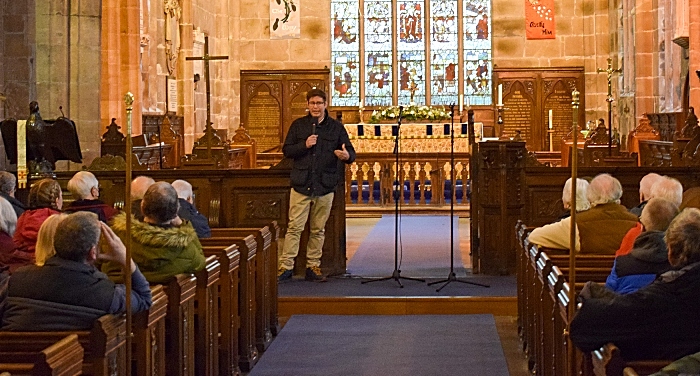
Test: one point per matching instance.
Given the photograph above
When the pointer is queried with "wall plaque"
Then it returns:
(529, 94)
(271, 100)
(264, 116)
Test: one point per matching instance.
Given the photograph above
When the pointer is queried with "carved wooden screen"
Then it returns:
(529, 94)
(271, 100)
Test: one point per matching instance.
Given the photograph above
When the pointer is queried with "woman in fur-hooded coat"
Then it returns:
(161, 252)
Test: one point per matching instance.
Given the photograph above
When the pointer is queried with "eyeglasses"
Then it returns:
(316, 103)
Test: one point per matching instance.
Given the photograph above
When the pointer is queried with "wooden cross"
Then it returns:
(609, 71)
(208, 130)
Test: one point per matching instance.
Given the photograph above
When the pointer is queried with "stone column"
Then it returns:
(694, 53)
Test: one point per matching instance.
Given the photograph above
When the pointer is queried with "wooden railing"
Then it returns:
(424, 179)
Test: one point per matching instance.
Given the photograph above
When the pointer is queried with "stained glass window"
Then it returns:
(379, 55)
(391, 52)
(444, 50)
(345, 55)
(477, 51)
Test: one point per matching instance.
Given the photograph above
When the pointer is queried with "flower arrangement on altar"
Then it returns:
(410, 113)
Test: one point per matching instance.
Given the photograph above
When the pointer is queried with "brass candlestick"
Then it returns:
(500, 109)
(361, 110)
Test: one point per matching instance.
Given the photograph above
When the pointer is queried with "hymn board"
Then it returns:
(528, 96)
(271, 100)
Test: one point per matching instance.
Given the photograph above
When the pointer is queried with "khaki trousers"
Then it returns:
(300, 207)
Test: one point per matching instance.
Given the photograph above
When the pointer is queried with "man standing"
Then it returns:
(316, 143)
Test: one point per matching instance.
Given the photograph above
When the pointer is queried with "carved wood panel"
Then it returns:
(271, 100)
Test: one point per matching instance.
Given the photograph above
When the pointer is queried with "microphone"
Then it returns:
(313, 125)
(400, 113)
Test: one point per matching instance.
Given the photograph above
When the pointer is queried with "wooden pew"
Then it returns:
(266, 276)
(521, 233)
(63, 358)
(607, 361)
(207, 318)
(179, 325)
(104, 345)
(247, 351)
(148, 346)
(229, 321)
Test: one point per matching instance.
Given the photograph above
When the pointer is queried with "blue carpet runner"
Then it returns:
(424, 248)
(310, 345)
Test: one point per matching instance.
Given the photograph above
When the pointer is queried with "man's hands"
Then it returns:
(311, 141)
(343, 155)
(113, 247)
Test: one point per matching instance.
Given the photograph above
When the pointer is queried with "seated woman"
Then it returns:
(45, 199)
(8, 223)
(659, 321)
(648, 256)
(85, 188)
(44, 243)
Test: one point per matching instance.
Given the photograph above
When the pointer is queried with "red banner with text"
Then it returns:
(539, 19)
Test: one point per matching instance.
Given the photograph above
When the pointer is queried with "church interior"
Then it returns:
(467, 116)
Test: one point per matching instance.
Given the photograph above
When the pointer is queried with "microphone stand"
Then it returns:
(396, 275)
(452, 277)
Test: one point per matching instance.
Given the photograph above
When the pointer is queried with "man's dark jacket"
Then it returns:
(316, 169)
(199, 222)
(659, 321)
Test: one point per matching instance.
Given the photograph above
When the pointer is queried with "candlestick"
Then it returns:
(500, 94)
(461, 103)
(551, 140)
(550, 119)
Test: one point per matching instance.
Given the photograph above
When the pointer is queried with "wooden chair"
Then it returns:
(247, 350)
(104, 345)
(179, 325)
(63, 358)
(229, 321)
(266, 276)
(206, 318)
(148, 346)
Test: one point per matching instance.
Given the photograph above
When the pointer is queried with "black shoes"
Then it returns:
(314, 274)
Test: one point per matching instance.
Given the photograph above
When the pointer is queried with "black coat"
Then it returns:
(199, 222)
(18, 207)
(316, 170)
(659, 321)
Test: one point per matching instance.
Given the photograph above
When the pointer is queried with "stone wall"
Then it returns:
(17, 57)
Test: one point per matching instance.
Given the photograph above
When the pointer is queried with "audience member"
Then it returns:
(664, 187)
(86, 189)
(44, 242)
(659, 321)
(645, 185)
(45, 199)
(669, 188)
(649, 255)
(582, 203)
(600, 229)
(188, 211)
(68, 292)
(8, 186)
(139, 186)
(162, 244)
(8, 223)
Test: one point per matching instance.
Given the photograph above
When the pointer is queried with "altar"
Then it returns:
(424, 165)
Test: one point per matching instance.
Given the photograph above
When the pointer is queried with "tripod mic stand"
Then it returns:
(396, 275)
(452, 277)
